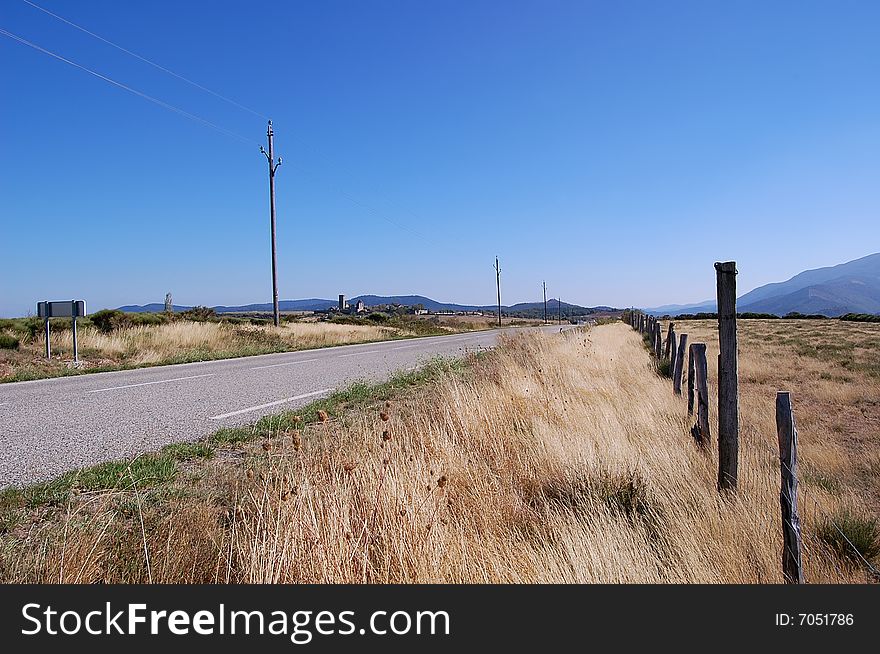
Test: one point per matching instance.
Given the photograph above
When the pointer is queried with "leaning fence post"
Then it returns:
(728, 393)
(786, 432)
(678, 365)
(670, 339)
(670, 351)
(691, 380)
(700, 429)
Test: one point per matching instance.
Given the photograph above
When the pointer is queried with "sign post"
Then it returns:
(68, 309)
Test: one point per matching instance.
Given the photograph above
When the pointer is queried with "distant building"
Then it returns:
(421, 312)
(343, 305)
(359, 307)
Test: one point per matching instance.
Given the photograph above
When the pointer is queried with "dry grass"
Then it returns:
(177, 342)
(832, 369)
(555, 459)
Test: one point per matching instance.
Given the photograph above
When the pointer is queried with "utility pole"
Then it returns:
(559, 309)
(498, 287)
(545, 303)
(273, 166)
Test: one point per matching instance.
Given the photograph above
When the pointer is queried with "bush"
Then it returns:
(861, 317)
(199, 313)
(8, 342)
(377, 317)
(107, 320)
(862, 531)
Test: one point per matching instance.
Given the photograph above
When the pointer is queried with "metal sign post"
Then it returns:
(68, 309)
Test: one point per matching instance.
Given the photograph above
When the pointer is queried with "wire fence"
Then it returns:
(650, 328)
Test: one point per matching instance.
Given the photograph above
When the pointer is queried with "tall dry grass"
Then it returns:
(560, 458)
(145, 344)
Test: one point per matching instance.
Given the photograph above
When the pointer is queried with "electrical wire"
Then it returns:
(320, 155)
(148, 61)
(109, 80)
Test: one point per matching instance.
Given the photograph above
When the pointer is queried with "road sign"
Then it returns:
(66, 309)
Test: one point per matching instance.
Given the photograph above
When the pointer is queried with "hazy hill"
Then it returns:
(317, 304)
(852, 287)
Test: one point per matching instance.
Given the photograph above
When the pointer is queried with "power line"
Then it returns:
(320, 155)
(125, 87)
(147, 61)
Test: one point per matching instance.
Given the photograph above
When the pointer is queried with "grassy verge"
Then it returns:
(195, 355)
(154, 473)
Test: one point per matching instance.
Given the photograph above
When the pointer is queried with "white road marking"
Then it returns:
(268, 404)
(357, 354)
(161, 381)
(405, 347)
(288, 363)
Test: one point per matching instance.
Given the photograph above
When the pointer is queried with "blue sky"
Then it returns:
(615, 149)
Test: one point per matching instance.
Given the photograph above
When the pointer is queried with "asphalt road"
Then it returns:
(51, 426)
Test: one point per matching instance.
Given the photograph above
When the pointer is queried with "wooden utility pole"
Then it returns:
(786, 432)
(545, 303)
(273, 166)
(559, 309)
(498, 287)
(728, 392)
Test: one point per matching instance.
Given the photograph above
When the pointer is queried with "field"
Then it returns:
(832, 369)
(183, 341)
(556, 458)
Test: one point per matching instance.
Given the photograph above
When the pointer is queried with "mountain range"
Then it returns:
(852, 287)
(318, 304)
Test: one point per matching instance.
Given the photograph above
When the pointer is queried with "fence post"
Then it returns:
(658, 340)
(671, 349)
(700, 430)
(786, 431)
(670, 340)
(678, 365)
(728, 393)
(691, 380)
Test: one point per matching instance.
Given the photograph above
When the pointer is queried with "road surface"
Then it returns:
(51, 426)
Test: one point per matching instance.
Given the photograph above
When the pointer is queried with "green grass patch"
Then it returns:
(847, 530)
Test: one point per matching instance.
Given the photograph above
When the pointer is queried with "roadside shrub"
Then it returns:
(199, 313)
(8, 342)
(106, 320)
(862, 531)
(377, 317)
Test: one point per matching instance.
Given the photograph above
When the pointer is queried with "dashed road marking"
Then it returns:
(287, 363)
(269, 404)
(161, 381)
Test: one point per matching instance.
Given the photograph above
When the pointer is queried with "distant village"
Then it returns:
(344, 308)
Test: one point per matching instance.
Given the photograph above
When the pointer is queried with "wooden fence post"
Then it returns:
(658, 340)
(670, 339)
(671, 349)
(786, 432)
(728, 392)
(678, 365)
(691, 380)
(700, 430)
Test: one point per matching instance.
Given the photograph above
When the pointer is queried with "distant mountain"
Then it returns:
(155, 307)
(852, 287)
(312, 304)
(317, 304)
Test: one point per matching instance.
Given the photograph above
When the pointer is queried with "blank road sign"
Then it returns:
(65, 309)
